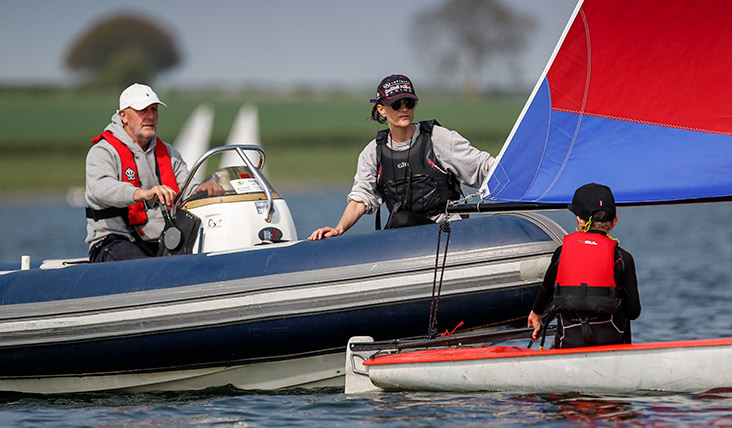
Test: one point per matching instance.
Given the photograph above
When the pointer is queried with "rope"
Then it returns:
(493, 324)
(546, 319)
(464, 199)
(437, 288)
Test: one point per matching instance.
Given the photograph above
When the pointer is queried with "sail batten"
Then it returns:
(637, 97)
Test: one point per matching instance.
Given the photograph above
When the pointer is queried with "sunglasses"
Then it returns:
(410, 103)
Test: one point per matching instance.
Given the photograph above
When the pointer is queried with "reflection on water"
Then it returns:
(319, 409)
(670, 410)
(583, 409)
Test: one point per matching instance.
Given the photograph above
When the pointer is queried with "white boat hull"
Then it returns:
(665, 367)
(320, 371)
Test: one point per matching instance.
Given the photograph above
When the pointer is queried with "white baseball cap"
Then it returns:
(138, 97)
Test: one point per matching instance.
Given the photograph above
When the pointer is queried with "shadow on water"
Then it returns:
(112, 399)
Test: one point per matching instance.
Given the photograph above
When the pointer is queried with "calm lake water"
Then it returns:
(682, 253)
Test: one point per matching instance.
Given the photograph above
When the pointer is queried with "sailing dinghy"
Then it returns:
(636, 96)
(690, 366)
(250, 305)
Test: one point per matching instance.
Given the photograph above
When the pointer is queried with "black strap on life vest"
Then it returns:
(587, 334)
(165, 176)
(106, 213)
(423, 176)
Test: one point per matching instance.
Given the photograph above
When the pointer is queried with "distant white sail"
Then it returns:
(244, 131)
(195, 135)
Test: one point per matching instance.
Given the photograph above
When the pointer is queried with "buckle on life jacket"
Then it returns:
(587, 335)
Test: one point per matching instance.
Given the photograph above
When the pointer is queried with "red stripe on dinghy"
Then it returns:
(493, 352)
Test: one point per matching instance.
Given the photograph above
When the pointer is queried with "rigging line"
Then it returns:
(430, 330)
(547, 206)
(462, 200)
(585, 95)
(437, 288)
(529, 102)
(497, 323)
(546, 144)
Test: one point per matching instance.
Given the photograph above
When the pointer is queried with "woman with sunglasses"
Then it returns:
(415, 168)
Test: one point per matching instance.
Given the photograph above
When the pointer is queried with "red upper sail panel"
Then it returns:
(597, 71)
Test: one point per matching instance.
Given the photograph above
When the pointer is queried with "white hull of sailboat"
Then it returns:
(664, 367)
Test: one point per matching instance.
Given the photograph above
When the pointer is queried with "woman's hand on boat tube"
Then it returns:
(324, 232)
(354, 210)
(164, 194)
(534, 321)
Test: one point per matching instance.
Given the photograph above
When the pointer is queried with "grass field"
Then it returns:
(308, 140)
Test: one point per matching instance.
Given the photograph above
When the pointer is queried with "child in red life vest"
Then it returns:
(590, 284)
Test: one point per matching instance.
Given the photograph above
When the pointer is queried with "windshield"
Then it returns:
(234, 180)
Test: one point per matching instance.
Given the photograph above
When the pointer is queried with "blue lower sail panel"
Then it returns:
(274, 339)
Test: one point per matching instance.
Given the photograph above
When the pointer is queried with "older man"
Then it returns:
(127, 168)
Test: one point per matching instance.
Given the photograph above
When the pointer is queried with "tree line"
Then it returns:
(456, 37)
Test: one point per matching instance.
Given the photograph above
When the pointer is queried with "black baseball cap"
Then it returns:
(392, 88)
(590, 198)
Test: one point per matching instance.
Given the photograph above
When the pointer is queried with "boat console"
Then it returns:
(249, 212)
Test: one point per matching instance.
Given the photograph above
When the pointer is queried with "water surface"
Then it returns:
(682, 254)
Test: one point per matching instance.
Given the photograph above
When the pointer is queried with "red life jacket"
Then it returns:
(136, 212)
(586, 278)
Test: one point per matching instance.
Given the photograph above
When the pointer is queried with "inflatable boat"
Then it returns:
(241, 301)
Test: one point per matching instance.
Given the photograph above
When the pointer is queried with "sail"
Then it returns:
(244, 131)
(637, 96)
(194, 137)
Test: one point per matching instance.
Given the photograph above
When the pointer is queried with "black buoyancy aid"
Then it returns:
(585, 280)
(414, 178)
(135, 213)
